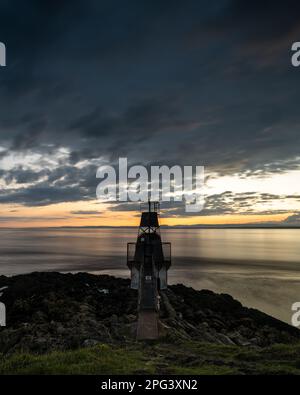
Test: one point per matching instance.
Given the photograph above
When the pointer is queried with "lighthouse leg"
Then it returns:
(147, 326)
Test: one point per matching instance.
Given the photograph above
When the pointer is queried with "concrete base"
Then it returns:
(147, 326)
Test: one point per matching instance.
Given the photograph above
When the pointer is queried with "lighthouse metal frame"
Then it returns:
(149, 260)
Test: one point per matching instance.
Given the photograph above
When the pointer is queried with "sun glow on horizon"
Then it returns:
(251, 200)
(73, 214)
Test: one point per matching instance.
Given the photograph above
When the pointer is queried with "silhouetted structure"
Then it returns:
(149, 260)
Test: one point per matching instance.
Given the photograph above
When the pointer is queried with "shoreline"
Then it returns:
(56, 322)
(256, 284)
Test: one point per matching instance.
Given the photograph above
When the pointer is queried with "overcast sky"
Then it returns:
(164, 82)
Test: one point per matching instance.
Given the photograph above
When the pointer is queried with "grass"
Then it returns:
(158, 358)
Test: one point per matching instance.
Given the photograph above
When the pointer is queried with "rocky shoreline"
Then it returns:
(54, 311)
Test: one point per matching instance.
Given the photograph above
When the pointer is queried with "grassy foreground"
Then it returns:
(159, 358)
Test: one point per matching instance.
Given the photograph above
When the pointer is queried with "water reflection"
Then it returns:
(260, 267)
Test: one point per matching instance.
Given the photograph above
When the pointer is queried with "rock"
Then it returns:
(47, 311)
(90, 342)
(225, 339)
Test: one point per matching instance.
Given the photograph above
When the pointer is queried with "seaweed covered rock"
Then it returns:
(47, 311)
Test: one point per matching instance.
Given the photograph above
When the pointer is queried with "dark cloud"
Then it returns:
(263, 21)
(20, 175)
(224, 204)
(167, 82)
(85, 212)
(140, 121)
(44, 195)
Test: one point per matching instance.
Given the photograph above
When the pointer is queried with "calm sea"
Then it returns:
(260, 267)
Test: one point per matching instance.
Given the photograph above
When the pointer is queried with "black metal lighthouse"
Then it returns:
(148, 260)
